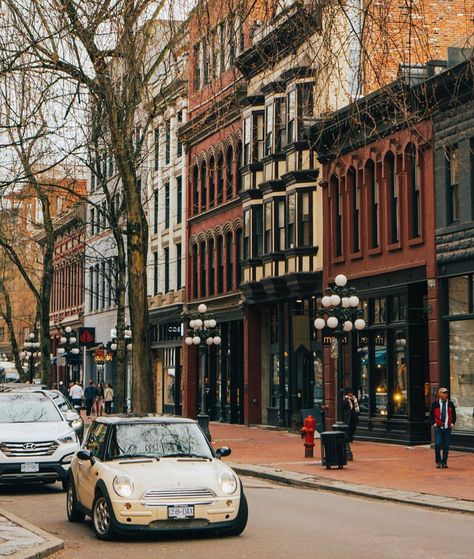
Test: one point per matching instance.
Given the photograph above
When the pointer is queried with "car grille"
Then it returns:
(22, 450)
(178, 493)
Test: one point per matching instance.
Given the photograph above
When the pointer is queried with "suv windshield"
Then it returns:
(22, 408)
(158, 440)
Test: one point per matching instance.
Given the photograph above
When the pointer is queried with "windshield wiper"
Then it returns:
(186, 455)
(151, 456)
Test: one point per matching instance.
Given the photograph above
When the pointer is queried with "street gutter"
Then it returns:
(304, 481)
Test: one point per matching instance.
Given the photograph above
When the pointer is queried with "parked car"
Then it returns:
(153, 474)
(36, 441)
(72, 416)
(8, 372)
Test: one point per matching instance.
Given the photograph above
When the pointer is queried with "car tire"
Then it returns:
(241, 521)
(73, 515)
(102, 518)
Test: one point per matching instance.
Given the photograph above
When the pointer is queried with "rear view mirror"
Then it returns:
(84, 454)
(71, 415)
(223, 452)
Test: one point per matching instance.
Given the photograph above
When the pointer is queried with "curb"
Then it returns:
(51, 543)
(381, 493)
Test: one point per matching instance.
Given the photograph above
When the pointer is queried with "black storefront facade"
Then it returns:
(167, 336)
(387, 364)
(454, 149)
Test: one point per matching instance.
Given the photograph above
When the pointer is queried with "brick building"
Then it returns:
(214, 214)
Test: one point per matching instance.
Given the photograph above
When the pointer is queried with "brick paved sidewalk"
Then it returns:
(375, 464)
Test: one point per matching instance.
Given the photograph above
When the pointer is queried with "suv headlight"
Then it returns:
(123, 486)
(68, 438)
(227, 483)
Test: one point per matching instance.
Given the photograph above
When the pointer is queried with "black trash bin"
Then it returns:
(333, 449)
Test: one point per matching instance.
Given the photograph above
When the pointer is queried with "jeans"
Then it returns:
(442, 437)
(76, 403)
(108, 407)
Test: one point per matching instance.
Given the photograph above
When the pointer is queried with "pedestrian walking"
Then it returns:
(99, 399)
(108, 398)
(90, 394)
(76, 394)
(443, 418)
(351, 406)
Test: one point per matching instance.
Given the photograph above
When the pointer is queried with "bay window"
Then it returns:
(291, 218)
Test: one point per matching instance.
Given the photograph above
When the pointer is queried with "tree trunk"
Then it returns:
(6, 314)
(121, 361)
(45, 291)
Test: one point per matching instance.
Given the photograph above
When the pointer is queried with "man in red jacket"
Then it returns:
(442, 417)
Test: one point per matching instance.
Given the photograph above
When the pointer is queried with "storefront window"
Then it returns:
(363, 357)
(399, 356)
(380, 381)
(461, 351)
(275, 381)
(380, 315)
(458, 289)
(169, 375)
(398, 310)
(318, 377)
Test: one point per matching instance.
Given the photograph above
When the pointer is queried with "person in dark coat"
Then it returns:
(352, 410)
(442, 418)
(90, 394)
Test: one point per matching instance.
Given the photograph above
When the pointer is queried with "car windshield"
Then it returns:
(22, 408)
(159, 440)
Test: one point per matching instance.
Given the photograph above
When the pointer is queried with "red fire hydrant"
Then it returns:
(307, 432)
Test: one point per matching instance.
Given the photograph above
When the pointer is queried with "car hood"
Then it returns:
(172, 473)
(33, 432)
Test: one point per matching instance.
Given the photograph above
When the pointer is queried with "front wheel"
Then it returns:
(102, 518)
(241, 521)
(73, 515)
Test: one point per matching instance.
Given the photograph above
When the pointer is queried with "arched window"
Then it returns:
(238, 164)
(212, 266)
(392, 184)
(220, 265)
(220, 179)
(336, 215)
(195, 272)
(412, 165)
(212, 182)
(229, 247)
(203, 186)
(202, 250)
(195, 189)
(229, 171)
(373, 190)
(355, 209)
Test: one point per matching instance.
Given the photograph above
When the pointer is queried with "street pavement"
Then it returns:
(284, 522)
(388, 466)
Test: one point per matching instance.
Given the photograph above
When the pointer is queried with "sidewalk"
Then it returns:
(21, 540)
(387, 471)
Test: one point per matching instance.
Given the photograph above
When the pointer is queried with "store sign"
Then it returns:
(86, 336)
(101, 356)
(174, 329)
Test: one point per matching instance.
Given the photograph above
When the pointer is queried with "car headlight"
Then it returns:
(68, 438)
(227, 483)
(123, 486)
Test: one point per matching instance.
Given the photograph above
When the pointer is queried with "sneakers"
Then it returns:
(443, 465)
(438, 465)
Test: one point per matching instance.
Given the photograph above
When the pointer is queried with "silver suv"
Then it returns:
(36, 441)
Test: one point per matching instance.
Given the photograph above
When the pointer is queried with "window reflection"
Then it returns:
(461, 352)
(380, 374)
(400, 370)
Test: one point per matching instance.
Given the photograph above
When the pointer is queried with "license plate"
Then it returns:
(29, 467)
(180, 512)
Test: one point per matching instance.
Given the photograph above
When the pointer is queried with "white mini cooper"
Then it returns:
(155, 474)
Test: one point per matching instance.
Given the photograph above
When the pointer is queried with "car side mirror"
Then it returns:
(84, 454)
(223, 452)
(71, 415)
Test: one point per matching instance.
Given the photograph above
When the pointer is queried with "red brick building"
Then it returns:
(379, 230)
(214, 215)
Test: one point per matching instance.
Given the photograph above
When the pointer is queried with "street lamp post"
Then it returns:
(30, 352)
(69, 348)
(341, 313)
(113, 346)
(203, 332)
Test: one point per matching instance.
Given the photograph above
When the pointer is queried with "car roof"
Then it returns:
(25, 395)
(141, 418)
